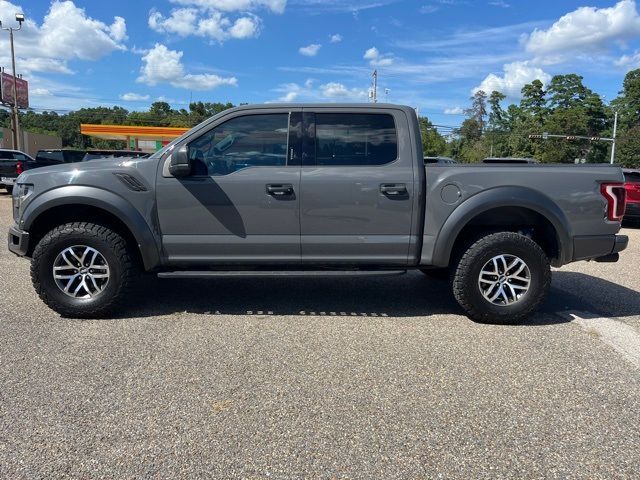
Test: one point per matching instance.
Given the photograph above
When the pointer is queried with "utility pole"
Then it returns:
(375, 86)
(16, 118)
(613, 143)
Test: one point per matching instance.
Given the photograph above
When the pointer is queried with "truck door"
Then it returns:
(357, 186)
(241, 203)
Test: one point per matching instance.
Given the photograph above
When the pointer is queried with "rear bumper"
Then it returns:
(588, 247)
(7, 181)
(18, 241)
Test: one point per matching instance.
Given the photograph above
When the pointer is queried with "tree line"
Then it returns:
(565, 107)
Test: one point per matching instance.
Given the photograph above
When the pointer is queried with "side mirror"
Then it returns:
(180, 165)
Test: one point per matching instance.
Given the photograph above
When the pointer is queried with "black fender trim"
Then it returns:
(105, 200)
(508, 196)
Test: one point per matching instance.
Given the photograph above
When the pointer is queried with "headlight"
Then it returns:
(20, 193)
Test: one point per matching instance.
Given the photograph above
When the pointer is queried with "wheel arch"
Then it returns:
(90, 204)
(500, 207)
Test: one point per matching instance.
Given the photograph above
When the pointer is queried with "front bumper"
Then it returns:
(588, 247)
(18, 241)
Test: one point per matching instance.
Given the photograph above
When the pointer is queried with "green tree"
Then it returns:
(433, 144)
(628, 148)
(478, 109)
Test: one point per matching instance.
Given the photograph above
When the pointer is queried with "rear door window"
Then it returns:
(355, 139)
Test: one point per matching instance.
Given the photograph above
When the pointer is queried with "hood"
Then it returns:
(80, 172)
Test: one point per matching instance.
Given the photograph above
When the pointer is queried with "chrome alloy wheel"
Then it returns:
(504, 280)
(81, 271)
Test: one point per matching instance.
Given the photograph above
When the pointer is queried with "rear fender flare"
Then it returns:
(508, 196)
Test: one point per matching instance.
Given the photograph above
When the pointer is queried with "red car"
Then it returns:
(632, 186)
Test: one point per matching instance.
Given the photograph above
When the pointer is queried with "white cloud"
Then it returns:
(331, 91)
(453, 111)
(516, 75)
(310, 50)
(371, 54)
(338, 90)
(181, 21)
(629, 61)
(214, 25)
(245, 27)
(276, 6)
(426, 9)
(66, 33)
(500, 3)
(376, 59)
(335, 38)
(162, 65)
(586, 28)
(39, 92)
(211, 18)
(133, 97)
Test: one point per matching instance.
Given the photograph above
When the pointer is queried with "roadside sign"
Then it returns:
(6, 90)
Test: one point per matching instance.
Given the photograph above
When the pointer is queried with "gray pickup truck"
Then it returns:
(311, 190)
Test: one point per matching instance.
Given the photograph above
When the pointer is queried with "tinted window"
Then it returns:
(242, 142)
(6, 155)
(21, 156)
(71, 156)
(355, 139)
(55, 157)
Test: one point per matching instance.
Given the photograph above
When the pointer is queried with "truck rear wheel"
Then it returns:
(83, 270)
(502, 278)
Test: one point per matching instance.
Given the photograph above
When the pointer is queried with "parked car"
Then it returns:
(632, 185)
(311, 190)
(439, 160)
(12, 164)
(511, 160)
(99, 154)
(45, 158)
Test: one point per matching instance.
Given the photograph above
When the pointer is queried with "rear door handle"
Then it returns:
(280, 190)
(393, 189)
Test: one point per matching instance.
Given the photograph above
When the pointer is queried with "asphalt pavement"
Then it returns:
(322, 378)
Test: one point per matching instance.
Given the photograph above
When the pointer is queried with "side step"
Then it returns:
(280, 273)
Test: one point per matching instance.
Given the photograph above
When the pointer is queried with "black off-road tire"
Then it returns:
(439, 273)
(467, 271)
(9, 189)
(124, 270)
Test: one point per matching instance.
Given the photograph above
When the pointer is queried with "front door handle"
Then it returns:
(393, 189)
(280, 190)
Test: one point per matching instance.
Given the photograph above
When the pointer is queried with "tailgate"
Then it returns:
(7, 167)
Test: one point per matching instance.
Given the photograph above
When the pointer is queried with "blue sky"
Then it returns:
(430, 54)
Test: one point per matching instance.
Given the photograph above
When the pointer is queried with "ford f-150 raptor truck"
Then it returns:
(311, 190)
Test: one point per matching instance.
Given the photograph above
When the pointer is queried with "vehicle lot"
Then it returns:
(322, 378)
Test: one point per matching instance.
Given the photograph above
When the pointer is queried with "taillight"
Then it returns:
(19, 167)
(633, 192)
(616, 197)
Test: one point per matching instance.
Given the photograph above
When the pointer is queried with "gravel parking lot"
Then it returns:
(322, 378)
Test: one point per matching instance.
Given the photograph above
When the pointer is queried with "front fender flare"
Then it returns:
(105, 200)
(508, 196)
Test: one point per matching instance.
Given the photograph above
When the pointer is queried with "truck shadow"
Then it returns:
(411, 295)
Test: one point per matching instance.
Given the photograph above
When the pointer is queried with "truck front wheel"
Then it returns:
(502, 278)
(83, 270)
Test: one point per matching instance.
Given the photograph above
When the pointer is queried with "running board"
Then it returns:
(281, 273)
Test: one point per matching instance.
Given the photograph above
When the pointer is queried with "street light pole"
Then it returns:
(16, 117)
(613, 144)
